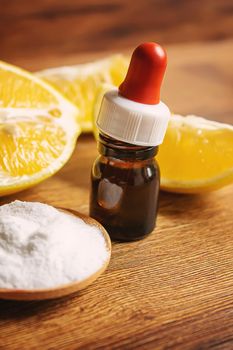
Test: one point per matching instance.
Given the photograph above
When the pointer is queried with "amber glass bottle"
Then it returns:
(125, 188)
(132, 122)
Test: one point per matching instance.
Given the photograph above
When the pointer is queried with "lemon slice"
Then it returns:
(38, 129)
(80, 83)
(196, 155)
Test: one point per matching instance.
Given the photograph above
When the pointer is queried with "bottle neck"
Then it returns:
(110, 147)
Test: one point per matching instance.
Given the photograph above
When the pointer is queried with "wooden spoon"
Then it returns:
(62, 290)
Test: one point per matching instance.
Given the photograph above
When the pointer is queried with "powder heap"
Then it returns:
(42, 247)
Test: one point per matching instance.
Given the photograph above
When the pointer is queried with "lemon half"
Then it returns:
(81, 83)
(38, 129)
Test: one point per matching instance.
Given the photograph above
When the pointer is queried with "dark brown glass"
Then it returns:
(124, 189)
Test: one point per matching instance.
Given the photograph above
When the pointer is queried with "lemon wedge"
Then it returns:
(80, 83)
(38, 129)
(196, 155)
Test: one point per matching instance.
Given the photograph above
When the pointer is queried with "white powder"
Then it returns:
(41, 247)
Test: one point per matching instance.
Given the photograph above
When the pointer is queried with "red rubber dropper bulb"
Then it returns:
(145, 74)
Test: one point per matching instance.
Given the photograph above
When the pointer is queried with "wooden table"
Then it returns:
(174, 289)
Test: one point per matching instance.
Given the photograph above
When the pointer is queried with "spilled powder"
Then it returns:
(41, 247)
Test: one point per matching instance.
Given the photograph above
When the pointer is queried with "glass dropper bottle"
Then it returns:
(132, 122)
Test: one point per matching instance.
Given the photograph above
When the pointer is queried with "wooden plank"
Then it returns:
(172, 290)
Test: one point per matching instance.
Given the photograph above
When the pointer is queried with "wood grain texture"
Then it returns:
(174, 289)
(47, 28)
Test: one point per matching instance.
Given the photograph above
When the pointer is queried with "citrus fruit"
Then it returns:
(38, 129)
(80, 83)
(196, 155)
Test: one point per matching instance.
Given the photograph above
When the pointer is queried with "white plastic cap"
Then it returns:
(132, 122)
